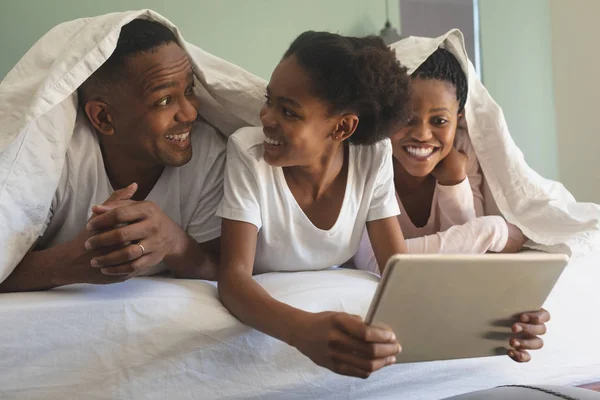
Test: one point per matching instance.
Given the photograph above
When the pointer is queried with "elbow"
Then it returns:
(224, 289)
(196, 273)
(208, 270)
(231, 283)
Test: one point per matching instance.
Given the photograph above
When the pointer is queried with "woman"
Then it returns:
(438, 187)
(299, 192)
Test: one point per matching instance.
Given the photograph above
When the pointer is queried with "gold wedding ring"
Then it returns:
(141, 247)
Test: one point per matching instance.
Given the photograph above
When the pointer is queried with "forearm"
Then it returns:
(253, 306)
(455, 204)
(192, 261)
(41, 270)
(477, 236)
(387, 239)
(365, 259)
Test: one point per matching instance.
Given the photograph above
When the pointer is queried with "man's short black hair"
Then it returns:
(138, 36)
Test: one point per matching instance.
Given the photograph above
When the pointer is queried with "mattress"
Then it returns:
(161, 338)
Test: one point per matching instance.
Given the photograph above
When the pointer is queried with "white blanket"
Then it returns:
(157, 338)
(38, 105)
(544, 210)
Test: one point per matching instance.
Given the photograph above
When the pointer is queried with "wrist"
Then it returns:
(66, 260)
(180, 243)
(298, 321)
(451, 181)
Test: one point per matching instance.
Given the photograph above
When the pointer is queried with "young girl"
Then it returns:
(300, 191)
(438, 187)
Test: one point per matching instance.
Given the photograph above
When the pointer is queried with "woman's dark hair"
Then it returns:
(358, 75)
(442, 65)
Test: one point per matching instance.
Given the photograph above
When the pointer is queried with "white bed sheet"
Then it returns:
(158, 338)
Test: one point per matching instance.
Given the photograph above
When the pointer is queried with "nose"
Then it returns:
(188, 110)
(267, 118)
(420, 132)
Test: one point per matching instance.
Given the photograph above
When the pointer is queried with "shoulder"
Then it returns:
(207, 142)
(83, 159)
(373, 155)
(208, 152)
(248, 137)
(84, 141)
(382, 148)
(207, 165)
(247, 143)
(372, 163)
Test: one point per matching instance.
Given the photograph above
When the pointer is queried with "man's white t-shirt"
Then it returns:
(257, 193)
(189, 194)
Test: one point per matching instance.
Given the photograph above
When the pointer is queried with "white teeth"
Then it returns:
(419, 151)
(180, 137)
(273, 141)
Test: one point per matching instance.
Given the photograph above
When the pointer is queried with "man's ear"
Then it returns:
(461, 121)
(345, 127)
(99, 115)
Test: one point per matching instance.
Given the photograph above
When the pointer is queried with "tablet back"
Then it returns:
(460, 306)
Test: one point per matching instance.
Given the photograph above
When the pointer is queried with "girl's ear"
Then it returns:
(345, 127)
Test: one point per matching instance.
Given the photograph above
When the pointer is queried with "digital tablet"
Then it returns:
(460, 306)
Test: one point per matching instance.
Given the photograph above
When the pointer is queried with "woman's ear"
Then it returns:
(345, 127)
(99, 115)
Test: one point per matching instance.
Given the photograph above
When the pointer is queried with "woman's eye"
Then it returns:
(440, 121)
(267, 99)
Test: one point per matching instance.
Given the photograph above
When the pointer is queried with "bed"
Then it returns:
(161, 338)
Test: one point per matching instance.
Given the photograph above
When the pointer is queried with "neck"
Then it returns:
(317, 177)
(405, 182)
(122, 170)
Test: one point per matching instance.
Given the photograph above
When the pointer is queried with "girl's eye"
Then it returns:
(289, 113)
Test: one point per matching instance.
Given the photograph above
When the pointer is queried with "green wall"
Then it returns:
(251, 33)
(516, 50)
(515, 41)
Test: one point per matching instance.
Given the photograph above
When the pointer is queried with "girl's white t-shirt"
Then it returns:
(257, 193)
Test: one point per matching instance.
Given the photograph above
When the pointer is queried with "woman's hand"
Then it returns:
(344, 344)
(452, 170)
(531, 325)
(516, 239)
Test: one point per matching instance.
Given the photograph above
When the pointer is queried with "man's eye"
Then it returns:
(163, 102)
(190, 89)
(268, 100)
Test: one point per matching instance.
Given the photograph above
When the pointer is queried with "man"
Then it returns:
(137, 132)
